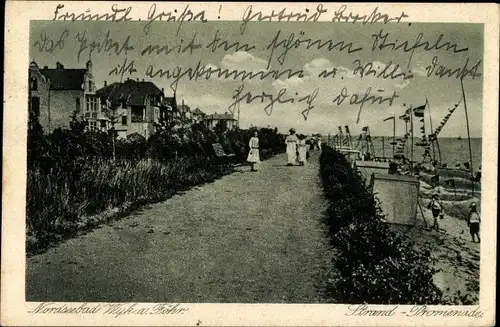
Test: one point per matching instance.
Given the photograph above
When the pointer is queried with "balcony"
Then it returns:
(138, 119)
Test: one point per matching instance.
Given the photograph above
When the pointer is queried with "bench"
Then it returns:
(220, 154)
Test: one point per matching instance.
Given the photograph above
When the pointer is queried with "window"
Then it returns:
(91, 103)
(137, 114)
(92, 125)
(103, 124)
(34, 84)
(90, 86)
(77, 100)
(35, 106)
(124, 120)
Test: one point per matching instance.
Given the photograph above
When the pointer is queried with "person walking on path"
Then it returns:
(319, 142)
(253, 153)
(291, 147)
(302, 149)
(436, 208)
(473, 221)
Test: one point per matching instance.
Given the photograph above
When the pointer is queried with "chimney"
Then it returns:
(45, 67)
(162, 90)
(143, 79)
(105, 83)
(137, 79)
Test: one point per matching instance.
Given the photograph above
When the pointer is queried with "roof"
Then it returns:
(197, 111)
(64, 79)
(131, 91)
(225, 116)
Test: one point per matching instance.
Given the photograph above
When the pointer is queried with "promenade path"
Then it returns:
(248, 237)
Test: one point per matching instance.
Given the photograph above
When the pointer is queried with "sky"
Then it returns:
(215, 94)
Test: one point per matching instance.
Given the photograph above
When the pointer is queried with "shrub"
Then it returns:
(373, 264)
(58, 205)
(72, 174)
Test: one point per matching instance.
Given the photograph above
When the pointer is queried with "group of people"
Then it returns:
(473, 218)
(296, 149)
(297, 146)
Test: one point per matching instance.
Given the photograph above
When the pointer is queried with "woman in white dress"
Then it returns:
(302, 150)
(253, 153)
(291, 147)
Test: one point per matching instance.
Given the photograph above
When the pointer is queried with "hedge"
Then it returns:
(373, 264)
(73, 174)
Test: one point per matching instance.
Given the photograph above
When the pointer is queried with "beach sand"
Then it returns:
(454, 254)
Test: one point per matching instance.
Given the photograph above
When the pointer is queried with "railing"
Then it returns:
(137, 119)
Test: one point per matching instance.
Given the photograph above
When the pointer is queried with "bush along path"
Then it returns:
(247, 237)
(372, 264)
(78, 179)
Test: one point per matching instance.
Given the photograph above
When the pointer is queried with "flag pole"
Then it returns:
(468, 132)
(406, 137)
(432, 130)
(393, 136)
(383, 147)
(411, 130)
(239, 115)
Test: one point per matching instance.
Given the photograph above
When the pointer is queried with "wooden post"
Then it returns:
(468, 133)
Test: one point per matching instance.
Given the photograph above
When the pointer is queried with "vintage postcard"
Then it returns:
(249, 164)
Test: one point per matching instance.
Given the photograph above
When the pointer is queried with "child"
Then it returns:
(436, 208)
(473, 222)
(253, 153)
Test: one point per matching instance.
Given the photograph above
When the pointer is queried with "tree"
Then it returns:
(36, 143)
(113, 116)
(221, 128)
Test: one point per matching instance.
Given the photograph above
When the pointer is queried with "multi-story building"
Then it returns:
(132, 106)
(168, 109)
(212, 120)
(56, 94)
(198, 115)
(184, 112)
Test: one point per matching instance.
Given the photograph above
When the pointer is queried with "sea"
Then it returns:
(453, 150)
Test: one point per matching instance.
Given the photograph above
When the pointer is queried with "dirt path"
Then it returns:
(248, 237)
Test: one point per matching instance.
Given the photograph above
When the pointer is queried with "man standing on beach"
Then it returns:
(473, 222)
(436, 208)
